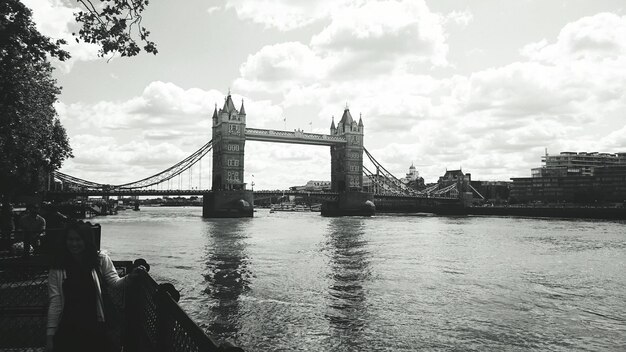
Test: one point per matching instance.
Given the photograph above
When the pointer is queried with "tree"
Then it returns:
(110, 24)
(32, 139)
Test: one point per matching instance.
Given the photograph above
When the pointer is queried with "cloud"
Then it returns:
(600, 37)
(213, 9)
(285, 15)
(55, 19)
(388, 33)
(163, 105)
(462, 18)
(276, 67)
(374, 38)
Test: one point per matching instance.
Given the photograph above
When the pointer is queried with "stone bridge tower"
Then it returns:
(347, 160)
(229, 197)
(229, 141)
(346, 170)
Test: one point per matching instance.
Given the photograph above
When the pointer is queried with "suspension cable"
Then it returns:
(155, 179)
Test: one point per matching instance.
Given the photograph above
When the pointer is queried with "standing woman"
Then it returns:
(79, 276)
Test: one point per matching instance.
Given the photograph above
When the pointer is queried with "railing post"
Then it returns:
(165, 323)
(133, 313)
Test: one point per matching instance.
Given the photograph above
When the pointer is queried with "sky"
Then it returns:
(484, 85)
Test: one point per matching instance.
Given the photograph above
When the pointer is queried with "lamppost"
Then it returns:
(252, 184)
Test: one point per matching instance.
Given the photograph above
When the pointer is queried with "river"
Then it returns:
(302, 282)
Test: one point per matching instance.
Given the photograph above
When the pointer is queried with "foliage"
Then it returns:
(110, 24)
(32, 139)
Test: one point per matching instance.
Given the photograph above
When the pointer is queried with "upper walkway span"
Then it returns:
(295, 137)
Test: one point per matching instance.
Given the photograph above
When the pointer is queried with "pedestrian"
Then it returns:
(81, 314)
(33, 226)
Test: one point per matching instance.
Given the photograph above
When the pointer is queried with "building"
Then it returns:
(574, 178)
(412, 175)
(495, 192)
(313, 186)
(576, 164)
(454, 176)
(413, 179)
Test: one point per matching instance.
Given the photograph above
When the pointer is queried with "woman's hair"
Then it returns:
(63, 257)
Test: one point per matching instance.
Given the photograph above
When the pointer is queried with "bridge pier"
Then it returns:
(228, 204)
(350, 204)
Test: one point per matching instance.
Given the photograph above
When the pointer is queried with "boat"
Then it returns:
(291, 207)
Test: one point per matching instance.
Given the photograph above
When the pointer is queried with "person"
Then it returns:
(80, 315)
(33, 225)
(7, 226)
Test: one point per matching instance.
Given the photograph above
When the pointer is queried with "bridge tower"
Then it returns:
(347, 169)
(346, 160)
(229, 197)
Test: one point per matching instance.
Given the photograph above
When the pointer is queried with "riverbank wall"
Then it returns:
(581, 212)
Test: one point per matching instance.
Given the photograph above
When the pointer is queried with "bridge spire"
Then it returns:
(332, 125)
(346, 119)
(215, 112)
(229, 106)
(242, 111)
(360, 120)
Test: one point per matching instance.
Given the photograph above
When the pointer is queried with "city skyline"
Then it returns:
(443, 85)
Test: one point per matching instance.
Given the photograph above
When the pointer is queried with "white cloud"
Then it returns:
(285, 15)
(213, 9)
(162, 105)
(601, 37)
(374, 38)
(54, 18)
(462, 18)
(276, 67)
(393, 33)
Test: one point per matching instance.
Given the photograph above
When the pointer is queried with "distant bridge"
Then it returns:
(353, 184)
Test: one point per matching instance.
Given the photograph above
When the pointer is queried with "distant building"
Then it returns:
(574, 178)
(313, 186)
(576, 164)
(412, 175)
(494, 191)
(413, 179)
(454, 176)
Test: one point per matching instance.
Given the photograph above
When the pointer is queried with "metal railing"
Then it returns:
(23, 306)
(153, 320)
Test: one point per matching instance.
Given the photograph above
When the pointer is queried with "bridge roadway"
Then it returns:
(176, 192)
(199, 192)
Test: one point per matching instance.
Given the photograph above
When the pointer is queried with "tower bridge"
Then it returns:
(229, 197)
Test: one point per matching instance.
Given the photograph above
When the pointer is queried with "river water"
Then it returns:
(301, 282)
